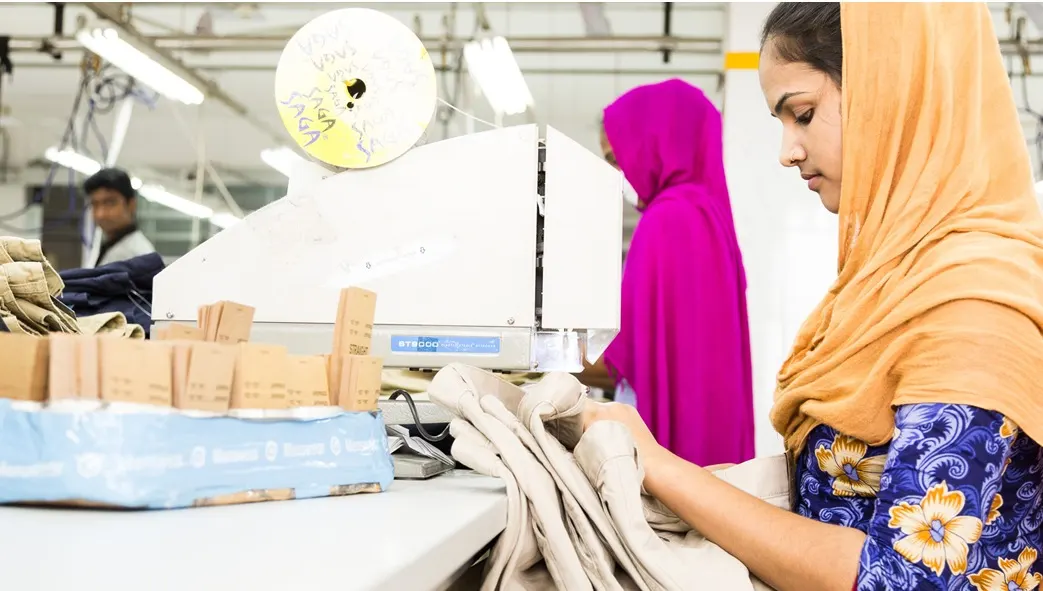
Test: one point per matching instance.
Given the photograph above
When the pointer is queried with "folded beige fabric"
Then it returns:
(38, 309)
(18, 250)
(112, 323)
(459, 388)
(593, 526)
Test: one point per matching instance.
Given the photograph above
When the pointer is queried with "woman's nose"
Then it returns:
(792, 153)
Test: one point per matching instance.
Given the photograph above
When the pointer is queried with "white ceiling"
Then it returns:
(569, 88)
(40, 95)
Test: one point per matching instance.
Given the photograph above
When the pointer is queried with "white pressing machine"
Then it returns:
(494, 249)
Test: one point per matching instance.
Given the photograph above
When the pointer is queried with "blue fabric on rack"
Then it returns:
(123, 286)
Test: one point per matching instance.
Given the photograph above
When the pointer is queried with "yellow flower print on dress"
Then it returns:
(853, 474)
(994, 509)
(1012, 576)
(935, 532)
(1008, 429)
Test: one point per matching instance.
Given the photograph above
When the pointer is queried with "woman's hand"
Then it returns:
(652, 454)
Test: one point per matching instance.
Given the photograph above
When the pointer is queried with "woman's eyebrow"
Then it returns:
(782, 100)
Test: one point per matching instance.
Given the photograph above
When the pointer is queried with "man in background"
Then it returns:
(114, 206)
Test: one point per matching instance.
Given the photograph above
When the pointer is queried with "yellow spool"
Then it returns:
(355, 88)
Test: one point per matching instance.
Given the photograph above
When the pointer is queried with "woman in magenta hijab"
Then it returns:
(683, 345)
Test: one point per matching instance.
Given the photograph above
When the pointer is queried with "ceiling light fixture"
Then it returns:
(121, 52)
(496, 72)
(152, 192)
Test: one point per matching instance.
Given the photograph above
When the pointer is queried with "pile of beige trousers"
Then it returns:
(29, 290)
(578, 517)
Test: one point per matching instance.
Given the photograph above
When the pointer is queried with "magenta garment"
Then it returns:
(684, 340)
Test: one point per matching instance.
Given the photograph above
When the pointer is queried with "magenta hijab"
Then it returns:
(684, 344)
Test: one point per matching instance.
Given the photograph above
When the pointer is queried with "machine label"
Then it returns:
(450, 345)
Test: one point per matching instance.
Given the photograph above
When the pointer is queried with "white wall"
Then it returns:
(788, 239)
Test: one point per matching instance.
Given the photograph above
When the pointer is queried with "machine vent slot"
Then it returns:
(541, 182)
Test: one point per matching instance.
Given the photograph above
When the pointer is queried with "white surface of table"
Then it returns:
(412, 538)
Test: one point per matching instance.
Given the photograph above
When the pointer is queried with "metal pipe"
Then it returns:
(534, 71)
(519, 44)
(668, 9)
(247, 43)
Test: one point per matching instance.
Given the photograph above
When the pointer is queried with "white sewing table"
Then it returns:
(417, 536)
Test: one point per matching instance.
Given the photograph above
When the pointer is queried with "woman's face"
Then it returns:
(807, 102)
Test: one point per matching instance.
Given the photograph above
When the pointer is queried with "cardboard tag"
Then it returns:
(260, 377)
(136, 371)
(352, 333)
(306, 384)
(89, 368)
(354, 330)
(24, 367)
(183, 332)
(234, 324)
(181, 352)
(360, 383)
(211, 319)
(208, 383)
(63, 379)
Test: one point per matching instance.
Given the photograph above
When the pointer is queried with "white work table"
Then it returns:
(414, 537)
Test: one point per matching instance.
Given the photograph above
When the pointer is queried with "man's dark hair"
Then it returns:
(807, 32)
(113, 179)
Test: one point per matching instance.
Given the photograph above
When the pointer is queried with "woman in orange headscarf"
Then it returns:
(911, 404)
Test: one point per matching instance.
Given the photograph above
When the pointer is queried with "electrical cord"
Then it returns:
(416, 417)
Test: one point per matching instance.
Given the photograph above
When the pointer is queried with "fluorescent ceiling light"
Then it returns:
(224, 220)
(158, 194)
(107, 44)
(69, 159)
(496, 72)
(280, 159)
(154, 193)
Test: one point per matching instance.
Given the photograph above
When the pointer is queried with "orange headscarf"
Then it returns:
(939, 296)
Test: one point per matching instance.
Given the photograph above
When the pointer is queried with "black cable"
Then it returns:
(416, 417)
(70, 131)
(103, 89)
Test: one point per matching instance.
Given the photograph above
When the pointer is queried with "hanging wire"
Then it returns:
(100, 89)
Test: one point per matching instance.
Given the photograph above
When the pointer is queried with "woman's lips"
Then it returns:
(815, 182)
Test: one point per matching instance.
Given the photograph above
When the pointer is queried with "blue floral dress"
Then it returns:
(953, 502)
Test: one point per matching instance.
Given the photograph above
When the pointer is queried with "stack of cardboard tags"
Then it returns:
(210, 368)
(213, 370)
(354, 375)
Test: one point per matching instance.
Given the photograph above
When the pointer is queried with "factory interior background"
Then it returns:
(205, 166)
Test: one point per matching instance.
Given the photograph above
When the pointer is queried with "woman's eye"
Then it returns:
(806, 117)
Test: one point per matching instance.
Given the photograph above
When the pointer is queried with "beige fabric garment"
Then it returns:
(516, 551)
(599, 488)
(28, 283)
(459, 392)
(114, 323)
(13, 309)
(18, 250)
